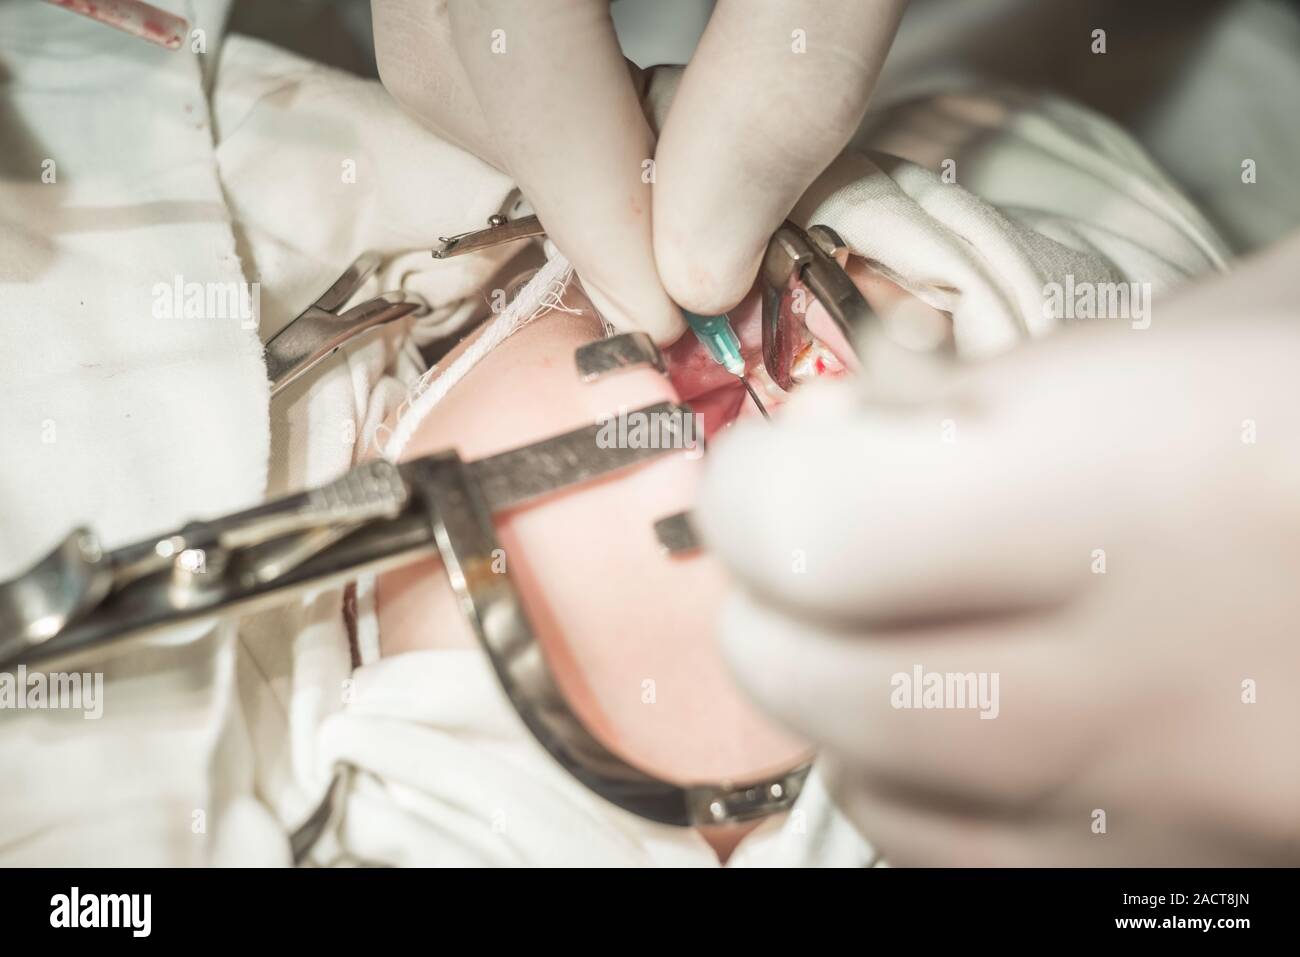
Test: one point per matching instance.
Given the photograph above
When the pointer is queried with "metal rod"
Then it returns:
(149, 604)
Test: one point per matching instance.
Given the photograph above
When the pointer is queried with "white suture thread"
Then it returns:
(543, 293)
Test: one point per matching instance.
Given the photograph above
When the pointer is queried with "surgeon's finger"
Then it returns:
(984, 716)
(569, 128)
(908, 833)
(419, 68)
(774, 91)
(891, 516)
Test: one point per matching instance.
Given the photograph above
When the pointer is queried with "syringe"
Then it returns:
(717, 336)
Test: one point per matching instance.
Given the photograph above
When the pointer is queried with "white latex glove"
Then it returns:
(773, 93)
(541, 90)
(968, 536)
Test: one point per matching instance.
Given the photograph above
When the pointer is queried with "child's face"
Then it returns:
(628, 631)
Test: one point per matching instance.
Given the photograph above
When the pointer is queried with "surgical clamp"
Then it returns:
(321, 330)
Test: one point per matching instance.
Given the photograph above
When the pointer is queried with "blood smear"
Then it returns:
(139, 19)
(816, 361)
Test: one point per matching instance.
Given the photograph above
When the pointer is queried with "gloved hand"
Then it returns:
(541, 91)
(1107, 521)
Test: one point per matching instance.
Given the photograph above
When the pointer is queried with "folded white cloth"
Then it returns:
(1203, 87)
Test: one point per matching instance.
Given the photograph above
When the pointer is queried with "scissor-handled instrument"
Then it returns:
(376, 516)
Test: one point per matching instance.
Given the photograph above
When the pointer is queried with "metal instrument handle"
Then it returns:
(320, 330)
(499, 231)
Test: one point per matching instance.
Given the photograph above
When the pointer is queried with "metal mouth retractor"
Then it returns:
(382, 515)
(376, 517)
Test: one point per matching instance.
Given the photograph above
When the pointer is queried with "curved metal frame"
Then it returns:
(466, 539)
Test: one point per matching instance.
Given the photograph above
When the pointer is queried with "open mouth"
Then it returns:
(721, 397)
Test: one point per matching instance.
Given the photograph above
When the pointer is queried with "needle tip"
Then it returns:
(754, 395)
